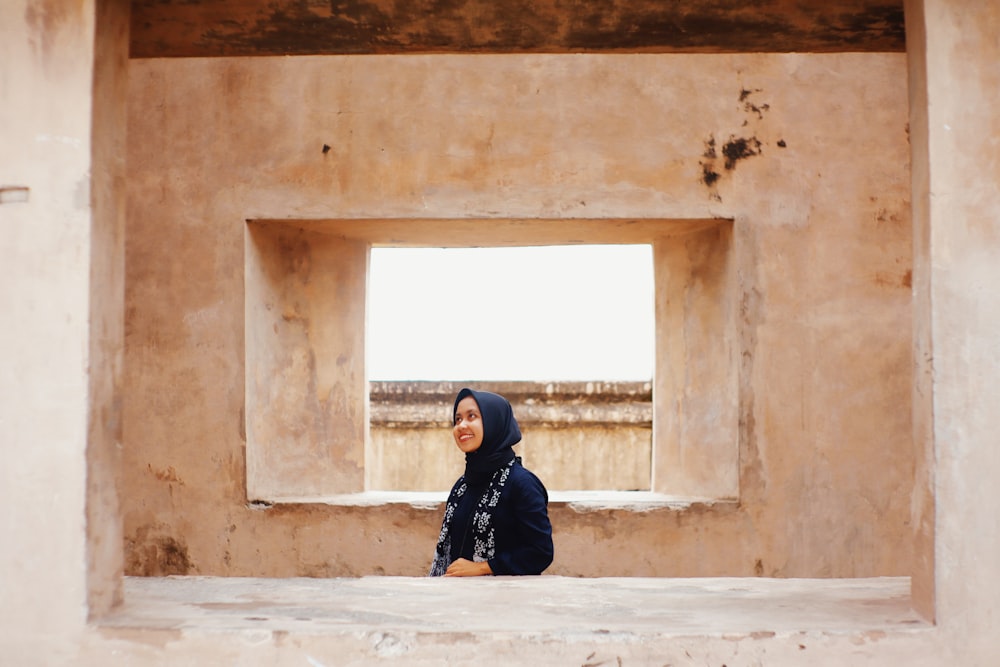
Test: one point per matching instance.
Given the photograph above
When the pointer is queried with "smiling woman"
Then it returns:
(543, 313)
(496, 519)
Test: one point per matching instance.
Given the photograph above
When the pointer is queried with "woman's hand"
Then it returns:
(466, 568)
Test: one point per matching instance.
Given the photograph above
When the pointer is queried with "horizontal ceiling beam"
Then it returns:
(205, 28)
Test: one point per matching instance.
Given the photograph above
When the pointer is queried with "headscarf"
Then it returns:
(500, 433)
(487, 468)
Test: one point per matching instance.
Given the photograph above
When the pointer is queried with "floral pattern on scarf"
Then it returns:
(483, 540)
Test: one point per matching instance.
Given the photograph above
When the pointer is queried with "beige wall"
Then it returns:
(577, 436)
(960, 225)
(62, 122)
(579, 458)
(45, 250)
(304, 342)
(815, 335)
(106, 316)
(46, 264)
(922, 514)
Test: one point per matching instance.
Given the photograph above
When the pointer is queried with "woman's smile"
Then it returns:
(468, 429)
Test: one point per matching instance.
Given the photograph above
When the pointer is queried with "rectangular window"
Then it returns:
(558, 330)
(307, 300)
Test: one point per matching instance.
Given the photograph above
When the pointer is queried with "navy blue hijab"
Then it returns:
(500, 433)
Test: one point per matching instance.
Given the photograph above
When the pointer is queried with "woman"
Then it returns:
(496, 520)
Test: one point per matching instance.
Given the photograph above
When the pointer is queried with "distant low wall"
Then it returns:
(577, 435)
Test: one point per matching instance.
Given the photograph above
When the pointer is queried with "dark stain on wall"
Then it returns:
(167, 474)
(708, 175)
(734, 150)
(892, 279)
(739, 148)
(710, 148)
(749, 106)
(156, 555)
(277, 27)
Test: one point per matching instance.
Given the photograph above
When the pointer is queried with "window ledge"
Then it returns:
(636, 501)
(544, 609)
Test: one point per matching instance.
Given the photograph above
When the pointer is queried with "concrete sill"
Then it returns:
(636, 501)
(409, 616)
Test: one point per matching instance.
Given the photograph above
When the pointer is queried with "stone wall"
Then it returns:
(577, 435)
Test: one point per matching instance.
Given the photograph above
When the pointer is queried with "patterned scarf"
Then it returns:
(484, 544)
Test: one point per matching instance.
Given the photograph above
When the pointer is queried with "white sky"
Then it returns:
(537, 313)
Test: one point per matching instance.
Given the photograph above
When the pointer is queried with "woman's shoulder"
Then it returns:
(524, 479)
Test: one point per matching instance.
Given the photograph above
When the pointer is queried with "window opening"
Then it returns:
(566, 333)
(312, 415)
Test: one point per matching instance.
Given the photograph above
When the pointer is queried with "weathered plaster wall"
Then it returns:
(306, 411)
(305, 336)
(107, 297)
(807, 153)
(961, 224)
(45, 262)
(922, 515)
(62, 122)
(696, 397)
(43, 556)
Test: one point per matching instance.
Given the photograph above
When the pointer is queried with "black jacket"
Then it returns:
(521, 525)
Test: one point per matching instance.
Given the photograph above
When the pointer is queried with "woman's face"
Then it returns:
(468, 429)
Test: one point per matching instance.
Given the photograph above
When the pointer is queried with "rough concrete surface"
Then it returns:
(519, 606)
(526, 620)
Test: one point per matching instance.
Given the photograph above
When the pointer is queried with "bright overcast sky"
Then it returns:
(538, 313)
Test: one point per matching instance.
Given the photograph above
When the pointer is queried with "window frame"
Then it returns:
(306, 282)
